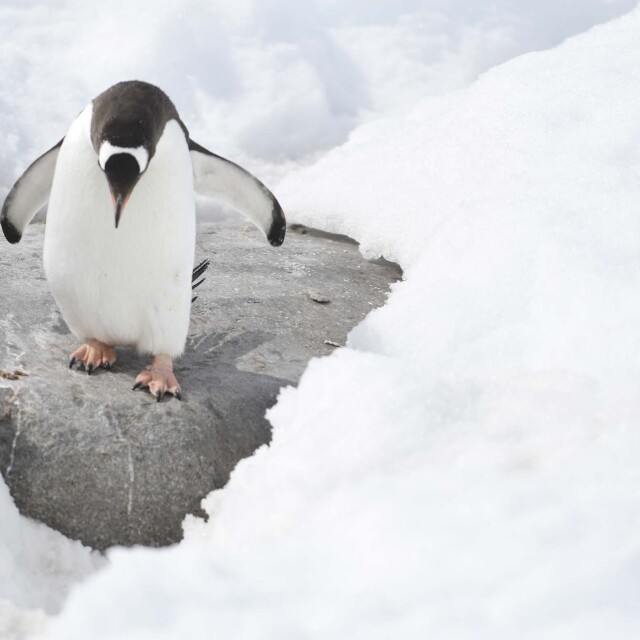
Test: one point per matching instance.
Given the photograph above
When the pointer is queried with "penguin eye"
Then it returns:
(108, 150)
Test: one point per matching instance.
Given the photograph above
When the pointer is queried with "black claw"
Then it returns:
(137, 385)
(158, 396)
(178, 395)
(89, 368)
(71, 363)
(107, 365)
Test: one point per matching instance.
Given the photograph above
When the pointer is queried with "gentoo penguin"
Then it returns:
(120, 233)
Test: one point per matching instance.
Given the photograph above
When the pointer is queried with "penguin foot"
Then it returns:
(158, 378)
(92, 355)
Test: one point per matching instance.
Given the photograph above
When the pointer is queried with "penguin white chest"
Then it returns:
(129, 286)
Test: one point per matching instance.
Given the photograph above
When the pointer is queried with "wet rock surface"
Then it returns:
(106, 465)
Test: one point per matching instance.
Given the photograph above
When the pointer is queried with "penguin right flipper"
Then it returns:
(217, 177)
(28, 195)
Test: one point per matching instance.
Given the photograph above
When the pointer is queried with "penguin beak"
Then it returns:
(122, 172)
(119, 206)
(119, 203)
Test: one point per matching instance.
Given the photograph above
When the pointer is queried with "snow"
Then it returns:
(467, 466)
(266, 82)
(37, 568)
(16, 623)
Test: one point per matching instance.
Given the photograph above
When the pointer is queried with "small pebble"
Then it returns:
(316, 296)
(16, 375)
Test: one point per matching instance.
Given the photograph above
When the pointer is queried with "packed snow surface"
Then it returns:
(37, 568)
(467, 466)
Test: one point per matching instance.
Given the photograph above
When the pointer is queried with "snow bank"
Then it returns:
(262, 81)
(17, 623)
(37, 568)
(467, 468)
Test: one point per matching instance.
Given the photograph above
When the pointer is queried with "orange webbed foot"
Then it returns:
(158, 378)
(92, 355)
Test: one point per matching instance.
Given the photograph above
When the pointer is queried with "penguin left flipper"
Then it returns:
(28, 195)
(216, 177)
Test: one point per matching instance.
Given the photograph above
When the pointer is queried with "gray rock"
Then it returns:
(106, 465)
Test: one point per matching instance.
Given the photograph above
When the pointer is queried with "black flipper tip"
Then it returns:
(278, 228)
(276, 234)
(10, 231)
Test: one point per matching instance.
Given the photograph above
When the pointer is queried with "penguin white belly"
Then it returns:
(129, 286)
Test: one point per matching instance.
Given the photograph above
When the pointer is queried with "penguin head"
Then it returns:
(127, 122)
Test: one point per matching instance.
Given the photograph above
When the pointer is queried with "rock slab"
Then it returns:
(108, 466)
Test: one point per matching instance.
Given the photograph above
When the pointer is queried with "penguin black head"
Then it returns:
(127, 122)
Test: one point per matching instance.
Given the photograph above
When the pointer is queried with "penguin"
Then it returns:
(121, 224)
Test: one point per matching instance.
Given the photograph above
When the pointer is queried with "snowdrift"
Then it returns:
(466, 468)
(37, 568)
(266, 82)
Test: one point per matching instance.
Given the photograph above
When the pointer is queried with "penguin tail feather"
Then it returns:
(197, 273)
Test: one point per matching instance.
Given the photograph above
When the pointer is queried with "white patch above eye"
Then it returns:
(107, 150)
